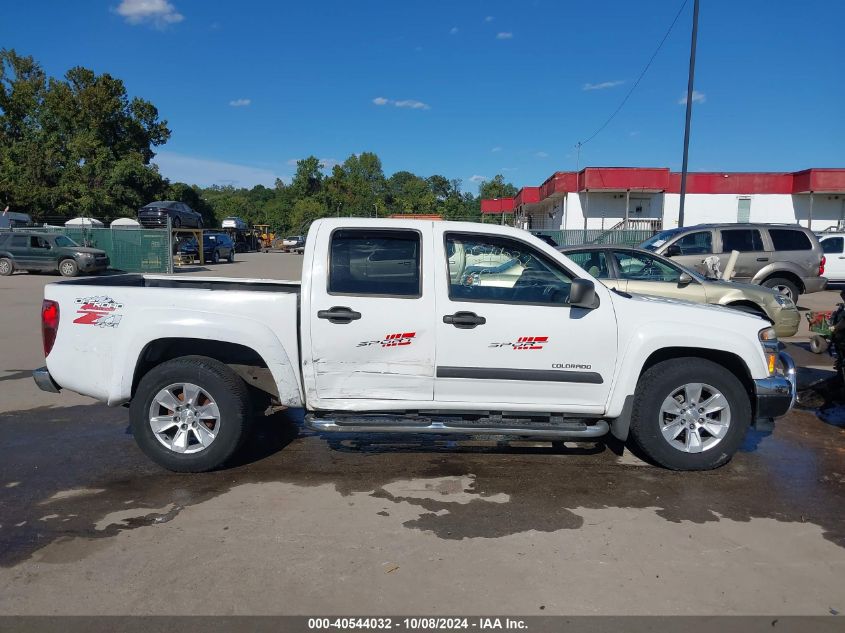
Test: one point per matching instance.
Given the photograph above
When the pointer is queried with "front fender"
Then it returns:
(646, 339)
(159, 323)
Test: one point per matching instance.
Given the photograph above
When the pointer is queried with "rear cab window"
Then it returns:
(742, 240)
(384, 263)
(829, 245)
(792, 240)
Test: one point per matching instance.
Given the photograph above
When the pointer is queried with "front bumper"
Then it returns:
(814, 284)
(775, 396)
(93, 265)
(44, 380)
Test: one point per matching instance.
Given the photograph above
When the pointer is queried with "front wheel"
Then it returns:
(6, 267)
(190, 414)
(689, 414)
(231, 257)
(215, 257)
(818, 344)
(68, 268)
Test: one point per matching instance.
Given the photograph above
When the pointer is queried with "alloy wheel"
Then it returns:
(695, 417)
(184, 418)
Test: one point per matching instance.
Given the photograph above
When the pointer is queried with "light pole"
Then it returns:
(690, 91)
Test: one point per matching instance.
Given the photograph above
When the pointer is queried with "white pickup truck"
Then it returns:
(415, 327)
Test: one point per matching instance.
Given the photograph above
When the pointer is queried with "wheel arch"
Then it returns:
(782, 273)
(747, 303)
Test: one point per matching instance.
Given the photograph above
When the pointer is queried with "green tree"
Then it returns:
(497, 188)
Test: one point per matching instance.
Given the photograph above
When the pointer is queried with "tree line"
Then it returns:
(79, 145)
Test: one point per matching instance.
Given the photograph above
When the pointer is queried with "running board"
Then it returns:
(568, 429)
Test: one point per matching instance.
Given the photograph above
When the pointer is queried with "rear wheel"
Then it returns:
(231, 257)
(68, 268)
(215, 257)
(689, 414)
(783, 286)
(190, 414)
(6, 267)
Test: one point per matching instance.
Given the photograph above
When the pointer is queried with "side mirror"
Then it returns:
(673, 250)
(582, 294)
(685, 279)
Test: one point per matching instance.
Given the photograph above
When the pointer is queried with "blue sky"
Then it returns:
(465, 88)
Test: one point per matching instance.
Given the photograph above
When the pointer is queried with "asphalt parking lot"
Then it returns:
(304, 525)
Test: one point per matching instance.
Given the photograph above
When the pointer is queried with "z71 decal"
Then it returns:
(99, 311)
(525, 342)
(391, 340)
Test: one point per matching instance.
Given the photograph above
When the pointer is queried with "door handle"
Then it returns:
(842, 257)
(762, 259)
(464, 320)
(339, 314)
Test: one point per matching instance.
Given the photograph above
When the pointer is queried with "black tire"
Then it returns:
(663, 379)
(787, 286)
(68, 268)
(231, 257)
(199, 224)
(7, 266)
(818, 344)
(215, 257)
(229, 392)
(176, 223)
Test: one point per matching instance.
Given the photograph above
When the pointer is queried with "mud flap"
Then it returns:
(620, 426)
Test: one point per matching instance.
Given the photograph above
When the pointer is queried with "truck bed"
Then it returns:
(198, 283)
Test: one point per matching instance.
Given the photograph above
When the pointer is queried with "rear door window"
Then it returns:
(791, 240)
(830, 245)
(742, 240)
(373, 262)
(594, 262)
(20, 241)
(697, 243)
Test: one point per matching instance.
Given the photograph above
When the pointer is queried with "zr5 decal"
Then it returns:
(391, 340)
(99, 311)
(525, 342)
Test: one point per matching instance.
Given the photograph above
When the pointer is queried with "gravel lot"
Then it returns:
(306, 525)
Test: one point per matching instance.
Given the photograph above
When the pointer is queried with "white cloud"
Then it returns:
(603, 85)
(206, 172)
(498, 148)
(504, 35)
(541, 155)
(159, 13)
(489, 18)
(478, 179)
(413, 104)
(240, 103)
(697, 97)
(454, 30)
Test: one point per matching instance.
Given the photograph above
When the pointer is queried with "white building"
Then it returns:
(637, 198)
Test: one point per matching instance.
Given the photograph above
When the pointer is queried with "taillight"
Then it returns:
(49, 324)
(821, 266)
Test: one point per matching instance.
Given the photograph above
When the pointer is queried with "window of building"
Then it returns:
(503, 270)
(743, 210)
(742, 240)
(790, 240)
(372, 262)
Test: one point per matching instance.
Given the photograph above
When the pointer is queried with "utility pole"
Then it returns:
(690, 91)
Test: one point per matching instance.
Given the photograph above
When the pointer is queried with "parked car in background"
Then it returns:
(37, 252)
(642, 272)
(293, 244)
(233, 222)
(215, 246)
(785, 257)
(833, 246)
(155, 214)
(10, 220)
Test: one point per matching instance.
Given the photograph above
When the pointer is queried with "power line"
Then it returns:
(579, 144)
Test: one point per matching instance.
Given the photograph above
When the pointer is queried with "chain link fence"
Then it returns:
(133, 250)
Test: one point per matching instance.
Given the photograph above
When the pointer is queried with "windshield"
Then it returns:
(656, 241)
(65, 241)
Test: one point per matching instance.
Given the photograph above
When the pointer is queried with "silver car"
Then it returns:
(784, 257)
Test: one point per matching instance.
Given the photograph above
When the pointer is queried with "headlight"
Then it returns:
(769, 341)
(783, 301)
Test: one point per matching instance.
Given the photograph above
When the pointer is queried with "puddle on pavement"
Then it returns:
(77, 473)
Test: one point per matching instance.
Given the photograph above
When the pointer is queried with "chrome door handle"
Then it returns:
(339, 314)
